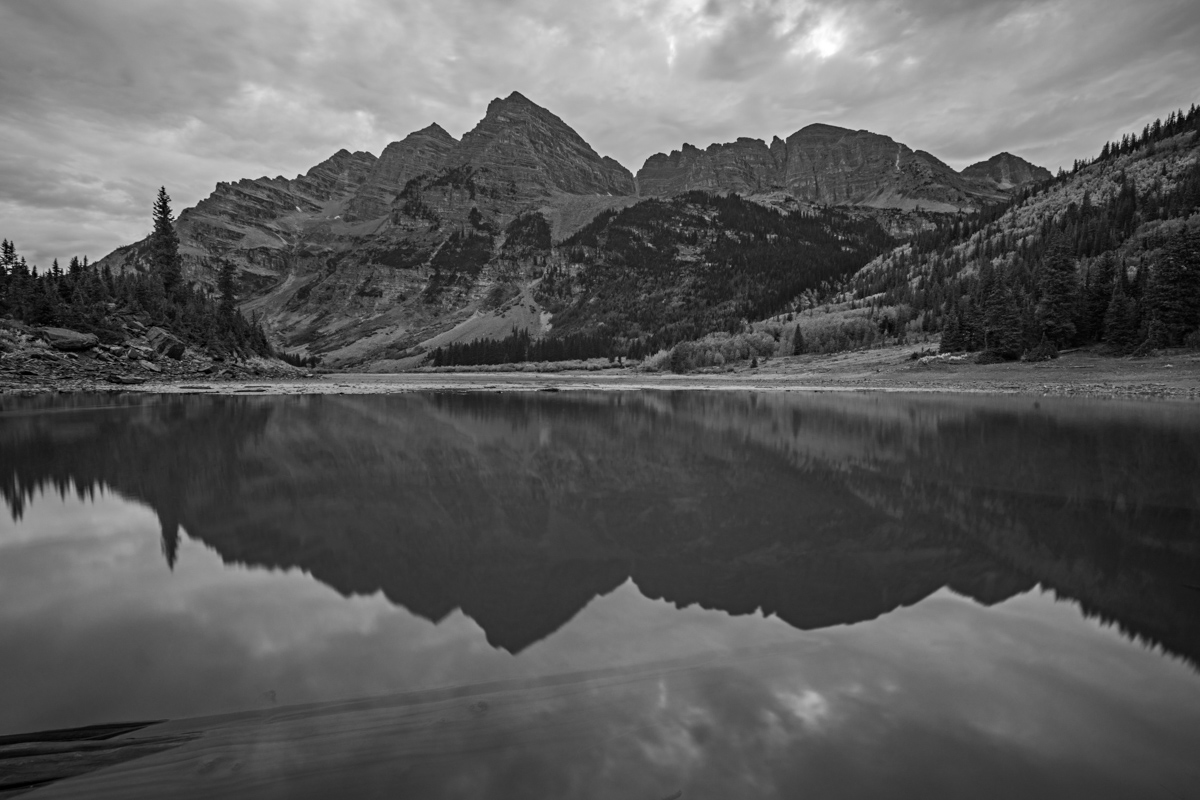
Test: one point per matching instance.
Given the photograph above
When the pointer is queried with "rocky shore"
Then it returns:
(34, 360)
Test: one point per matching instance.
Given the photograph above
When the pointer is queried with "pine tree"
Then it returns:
(1121, 321)
(952, 334)
(1097, 294)
(1002, 322)
(1173, 291)
(226, 284)
(8, 256)
(164, 246)
(1057, 292)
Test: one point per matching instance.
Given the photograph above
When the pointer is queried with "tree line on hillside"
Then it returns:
(1177, 122)
(91, 300)
(520, 347)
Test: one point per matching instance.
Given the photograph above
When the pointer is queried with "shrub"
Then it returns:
(717, 350)
(1044, 351)
(657, 362)
(992, 357)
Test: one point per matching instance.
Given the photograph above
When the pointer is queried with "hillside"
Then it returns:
(1106, 255)
(1109, 253)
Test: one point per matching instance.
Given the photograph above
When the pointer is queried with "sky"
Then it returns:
(103, 101)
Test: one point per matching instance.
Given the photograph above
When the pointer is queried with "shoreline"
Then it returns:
(1172, 376)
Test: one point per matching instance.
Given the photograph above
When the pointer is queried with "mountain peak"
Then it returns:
(421, 151)
(1005, 171)
(516, 102)
(433, 130)
(538, 152)
(824, 130)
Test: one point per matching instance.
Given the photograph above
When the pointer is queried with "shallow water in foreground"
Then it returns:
(643, 593)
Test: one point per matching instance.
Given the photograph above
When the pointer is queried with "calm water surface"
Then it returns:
(641, 595)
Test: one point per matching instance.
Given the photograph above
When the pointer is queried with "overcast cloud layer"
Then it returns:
(101, 101)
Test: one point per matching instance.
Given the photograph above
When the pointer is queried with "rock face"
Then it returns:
(1004, 172)
(826, 164)
(746, 166)
(253, 217)
(519, 157)
(260, 200)
(834, 166)
(419, 153)
(524, 143)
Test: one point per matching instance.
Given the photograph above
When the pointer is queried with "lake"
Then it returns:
(642, 594)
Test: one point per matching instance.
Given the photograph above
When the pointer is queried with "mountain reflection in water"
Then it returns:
(519, 509)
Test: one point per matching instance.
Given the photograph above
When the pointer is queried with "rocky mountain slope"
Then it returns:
(421, 152)
(372, 261)
(350, 260)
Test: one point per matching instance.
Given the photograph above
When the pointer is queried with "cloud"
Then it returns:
(104, 101)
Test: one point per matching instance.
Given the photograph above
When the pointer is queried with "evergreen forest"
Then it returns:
(88, 300)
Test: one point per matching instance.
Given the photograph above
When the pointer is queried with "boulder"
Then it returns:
(165, 343)
(69, 340)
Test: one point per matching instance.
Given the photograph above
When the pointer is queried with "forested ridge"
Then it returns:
(1108, 253)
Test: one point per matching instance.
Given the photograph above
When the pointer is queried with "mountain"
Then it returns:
(373, 262)
(1005, 172)
(366, 257)
(829, 165)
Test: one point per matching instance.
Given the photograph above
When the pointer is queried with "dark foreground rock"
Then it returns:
(68, 340)
(165, 343)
